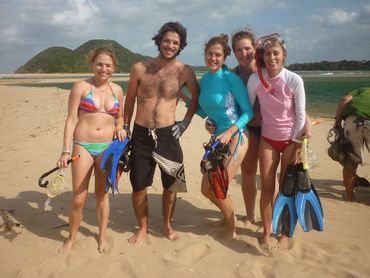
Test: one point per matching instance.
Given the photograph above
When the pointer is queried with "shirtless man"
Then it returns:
(156, 85)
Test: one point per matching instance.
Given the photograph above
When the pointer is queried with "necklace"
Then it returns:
(106, 88)
(100, 89)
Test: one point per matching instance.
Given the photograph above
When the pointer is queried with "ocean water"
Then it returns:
(323, 89)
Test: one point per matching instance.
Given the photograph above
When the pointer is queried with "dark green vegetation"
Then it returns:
(329, 66)
(64, 60)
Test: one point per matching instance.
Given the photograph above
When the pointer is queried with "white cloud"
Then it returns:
(366, 8)
(11, 31)
(79, 12)
(341, 17)
(11, 35)
(28, 27)
(282, 5)
(364, 16)
(333, 35)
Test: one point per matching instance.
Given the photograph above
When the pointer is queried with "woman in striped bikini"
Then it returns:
(94, 119)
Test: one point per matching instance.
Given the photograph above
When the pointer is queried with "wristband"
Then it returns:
(126, 127)
(66, 152)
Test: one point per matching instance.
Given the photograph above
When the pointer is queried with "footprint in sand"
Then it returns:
(331, 248)
(187, 255)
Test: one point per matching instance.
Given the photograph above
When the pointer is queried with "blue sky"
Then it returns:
(330, 30)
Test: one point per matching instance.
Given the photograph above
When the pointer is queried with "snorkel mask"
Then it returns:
(270, 40)
(262, 44)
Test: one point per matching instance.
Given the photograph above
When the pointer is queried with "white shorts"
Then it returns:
(357, 130)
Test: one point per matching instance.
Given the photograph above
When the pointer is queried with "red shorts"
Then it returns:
(279, 146)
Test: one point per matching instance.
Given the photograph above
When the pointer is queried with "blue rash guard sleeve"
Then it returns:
(224, 99)
(240, 94)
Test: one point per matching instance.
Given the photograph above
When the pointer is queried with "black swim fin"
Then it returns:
(284, 216)
(307, 202)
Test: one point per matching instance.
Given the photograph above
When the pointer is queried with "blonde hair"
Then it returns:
(102, 50)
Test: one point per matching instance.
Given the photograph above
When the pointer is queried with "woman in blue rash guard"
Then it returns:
(224, 100)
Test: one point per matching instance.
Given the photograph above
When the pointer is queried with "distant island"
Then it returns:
(331, 66)
(64, 60)
(319, 66)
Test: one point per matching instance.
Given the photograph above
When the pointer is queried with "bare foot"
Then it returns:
(101, 246)
(67, 246)
(218, 223)
(285, 243)
(348, 197)
(170, 234)
(228, 235)
(221, 222)
(247, 220)
(265, 243)
(138, 236)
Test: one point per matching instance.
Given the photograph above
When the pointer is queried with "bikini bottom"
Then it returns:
(94, 149)
(279, 146)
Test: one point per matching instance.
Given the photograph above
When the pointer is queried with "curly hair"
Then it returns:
(171, 27)
(222, 40)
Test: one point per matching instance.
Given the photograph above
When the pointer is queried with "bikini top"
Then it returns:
(87, 104)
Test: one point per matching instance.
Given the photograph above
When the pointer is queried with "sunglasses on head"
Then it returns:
(270, 40)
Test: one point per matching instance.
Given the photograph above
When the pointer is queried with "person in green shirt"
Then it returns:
(354, 109)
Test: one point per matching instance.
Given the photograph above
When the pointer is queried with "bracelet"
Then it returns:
(66, 152)
(126, 127)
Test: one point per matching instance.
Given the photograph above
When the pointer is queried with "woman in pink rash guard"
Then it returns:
(282, 99)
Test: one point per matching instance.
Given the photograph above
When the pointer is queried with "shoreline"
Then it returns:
(323, 89)
(57, 77)
(15, 79)
(314, 112)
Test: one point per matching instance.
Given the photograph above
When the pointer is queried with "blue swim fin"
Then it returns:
(111, 160)
(284, 216)
(307, 202)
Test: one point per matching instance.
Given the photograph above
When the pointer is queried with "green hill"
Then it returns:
(64, 60)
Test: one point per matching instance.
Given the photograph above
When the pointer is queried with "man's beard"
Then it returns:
(173, 57)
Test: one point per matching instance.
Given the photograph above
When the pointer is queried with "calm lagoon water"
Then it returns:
(323, 89)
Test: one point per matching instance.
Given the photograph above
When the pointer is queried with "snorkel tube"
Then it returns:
(44, 184)
(262, 44)
(258, 56)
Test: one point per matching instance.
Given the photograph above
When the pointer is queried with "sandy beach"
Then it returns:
(31, 128)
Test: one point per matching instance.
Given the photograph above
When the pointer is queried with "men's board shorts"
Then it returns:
(357, 131)
(150, 147)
